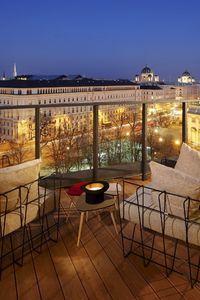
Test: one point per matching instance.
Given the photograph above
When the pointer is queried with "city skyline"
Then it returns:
(107, 39)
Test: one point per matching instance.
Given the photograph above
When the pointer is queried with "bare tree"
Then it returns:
(135, 136)
(69, 147)
(18, 150)
(62, 148)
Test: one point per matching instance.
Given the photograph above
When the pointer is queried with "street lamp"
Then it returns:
(177, 142)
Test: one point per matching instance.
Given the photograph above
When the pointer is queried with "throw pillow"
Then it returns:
(179, 186)
(189, 161)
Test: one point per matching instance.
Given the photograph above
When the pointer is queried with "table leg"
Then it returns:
(80, 228)
(87, 216)
(68, 213)
(113, 220)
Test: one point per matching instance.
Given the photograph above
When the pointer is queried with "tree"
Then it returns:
(69, 147)
(18, 150)
(135, 133)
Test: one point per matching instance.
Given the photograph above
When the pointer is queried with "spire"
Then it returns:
(14, 71)
(4, 76)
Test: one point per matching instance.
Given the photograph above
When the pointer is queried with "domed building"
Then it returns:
(186, 78)
(146, 75)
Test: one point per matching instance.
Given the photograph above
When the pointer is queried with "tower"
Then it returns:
(4, 76)
(14, 71)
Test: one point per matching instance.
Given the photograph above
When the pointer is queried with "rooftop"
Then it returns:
(150, 87)
(59, 81)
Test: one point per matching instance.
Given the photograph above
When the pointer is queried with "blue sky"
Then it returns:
(103, 39)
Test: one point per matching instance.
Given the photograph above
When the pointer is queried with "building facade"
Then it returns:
(194, 126)
(13, 123)
(26, 90)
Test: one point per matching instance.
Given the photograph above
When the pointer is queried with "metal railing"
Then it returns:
(95, 112)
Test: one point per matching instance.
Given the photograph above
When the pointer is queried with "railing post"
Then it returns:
(144, 140)
(95, 141)
(37, 132)
(184, 123)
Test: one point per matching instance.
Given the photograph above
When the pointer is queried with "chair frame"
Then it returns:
(25, 229)
(145, 246)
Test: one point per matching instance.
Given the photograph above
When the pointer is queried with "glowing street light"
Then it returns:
(177, 142)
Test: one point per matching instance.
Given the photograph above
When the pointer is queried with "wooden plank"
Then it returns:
(106, 270)
(136, 283)
(49, 284)
(7, 285)
(71, 284)
(91, 281)
(26, 281)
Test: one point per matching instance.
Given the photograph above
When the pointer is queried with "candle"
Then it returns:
(94, 188)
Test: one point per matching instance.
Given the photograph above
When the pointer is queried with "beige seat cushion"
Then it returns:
(189, 161)
(46, 202)
(150, 218)
(113, 189)
(10, 222)
(14, 176)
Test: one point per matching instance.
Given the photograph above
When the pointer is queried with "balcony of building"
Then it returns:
(96, 269)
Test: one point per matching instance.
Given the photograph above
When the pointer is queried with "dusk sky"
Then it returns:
(101, 39)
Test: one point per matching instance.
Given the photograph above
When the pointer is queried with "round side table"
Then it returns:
(84, 207)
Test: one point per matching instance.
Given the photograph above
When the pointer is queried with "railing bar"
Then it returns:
(95, 141)
(184, 123)
(144, 140)
(37, 133)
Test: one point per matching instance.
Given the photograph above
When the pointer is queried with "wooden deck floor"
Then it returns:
(95, 270)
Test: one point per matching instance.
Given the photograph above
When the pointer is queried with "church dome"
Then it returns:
(146, 70)
(186, 73)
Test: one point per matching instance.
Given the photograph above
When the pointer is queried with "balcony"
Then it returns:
(97, 269)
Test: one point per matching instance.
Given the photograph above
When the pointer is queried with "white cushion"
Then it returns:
(189, 161)
(14, 176)
(113, 189)
(150, 218)
(10, 222)
(30, 212)
(175, 182)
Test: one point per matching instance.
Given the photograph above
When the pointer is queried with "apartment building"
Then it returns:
(61, 90)
(48, 90)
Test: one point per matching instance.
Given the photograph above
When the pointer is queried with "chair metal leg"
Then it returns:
(14, 270)
(33, 263)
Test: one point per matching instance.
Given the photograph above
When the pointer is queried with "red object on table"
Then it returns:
(75, 189)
